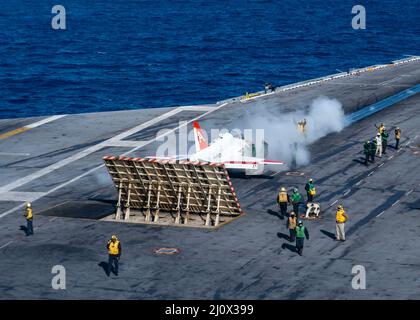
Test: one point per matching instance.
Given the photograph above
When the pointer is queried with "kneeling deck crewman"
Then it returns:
(114, 254)
(301, 233)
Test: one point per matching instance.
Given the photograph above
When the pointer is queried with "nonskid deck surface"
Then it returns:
(59, 164)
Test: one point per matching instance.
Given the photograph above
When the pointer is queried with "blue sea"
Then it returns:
(127, 54)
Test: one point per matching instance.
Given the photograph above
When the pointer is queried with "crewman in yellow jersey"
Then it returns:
(283, 199)
(302, 126)
(29, 219)
(341, 218)
(114, 254)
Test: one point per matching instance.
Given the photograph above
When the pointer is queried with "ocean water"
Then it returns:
(127, 54)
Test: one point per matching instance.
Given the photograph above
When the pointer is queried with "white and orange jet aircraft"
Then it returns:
(235, 153)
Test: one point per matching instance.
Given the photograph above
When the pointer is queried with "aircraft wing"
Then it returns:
(177, 157)
(266, 161)
(251, 161)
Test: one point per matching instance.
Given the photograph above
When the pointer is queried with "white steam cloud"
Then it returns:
(285, 141)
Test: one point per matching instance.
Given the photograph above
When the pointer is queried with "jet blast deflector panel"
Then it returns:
(172, 192)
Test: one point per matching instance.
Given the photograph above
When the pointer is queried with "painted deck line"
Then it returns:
(333, 203)
(409, 192)
(13, 132)
(44, 121)
(29, 126)
(6, 244)
(380, 214)
(395, 203)
(20, 196)
(14, 154)
(196, 108)
(126, 143)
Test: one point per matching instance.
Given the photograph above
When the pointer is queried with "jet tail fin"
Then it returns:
(200, 140)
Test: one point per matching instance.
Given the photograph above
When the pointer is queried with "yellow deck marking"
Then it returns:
(13, 132)
(30, 126)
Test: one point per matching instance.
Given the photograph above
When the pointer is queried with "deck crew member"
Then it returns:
(378, 141)
(295, 199)
(114, 254)
(384, 136)
(341, 218)
(291, 225)
(397, 133)
(301, 233)
(283, 199)
(29, 219)
(366, 151)
(302, 126)
(310, 190)
(268, 87)
(372, 151)
(380, 128)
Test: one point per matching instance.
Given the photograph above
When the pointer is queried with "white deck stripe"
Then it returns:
(333, 203)
(389, 81)
(82, 154)
(5, 245)
(196, 108)
(44, 121)
(20, 196)
(396, 202)
(13, 154)
(126, 143)
(381, 214)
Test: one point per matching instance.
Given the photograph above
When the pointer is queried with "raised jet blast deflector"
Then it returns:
(172, 192)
